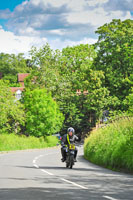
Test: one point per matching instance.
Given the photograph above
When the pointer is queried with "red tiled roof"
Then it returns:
(14, 89)
(22, 76)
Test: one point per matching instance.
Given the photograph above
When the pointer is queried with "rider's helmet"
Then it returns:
(71, 130)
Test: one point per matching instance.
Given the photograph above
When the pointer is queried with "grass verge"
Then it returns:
(112, 146)
(10, 142)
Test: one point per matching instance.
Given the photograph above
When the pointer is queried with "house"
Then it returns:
(21, 77)
(78, 92)
(17, 91)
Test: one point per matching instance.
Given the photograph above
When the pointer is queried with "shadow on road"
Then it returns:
(97, 170)
(62, 191)
(54, 188)
(91, 168)
(48, 193)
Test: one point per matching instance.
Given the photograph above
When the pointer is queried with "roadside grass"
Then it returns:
(10, 142)
(112, 146)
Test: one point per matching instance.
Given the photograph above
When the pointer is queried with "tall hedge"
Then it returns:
(112, 146)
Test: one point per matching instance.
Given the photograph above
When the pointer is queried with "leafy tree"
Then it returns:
(115, 56)
(77, 65)
(11, 65)
(63, 73)
(128, 102)
(43, 56)
(42, 113)
(12, 113)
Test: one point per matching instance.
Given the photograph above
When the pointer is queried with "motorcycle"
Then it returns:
(70, 151)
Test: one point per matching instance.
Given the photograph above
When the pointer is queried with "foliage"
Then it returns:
(63, 73)
(115, 56)
(105, 76)
(11, 65)
(21, 142)
(111, 146)
(42, 113)
(83, 80)
(12, 113)
(128, 102)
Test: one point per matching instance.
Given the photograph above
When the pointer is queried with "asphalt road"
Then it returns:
(40, 175)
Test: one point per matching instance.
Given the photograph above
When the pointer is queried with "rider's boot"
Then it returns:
(63, 159)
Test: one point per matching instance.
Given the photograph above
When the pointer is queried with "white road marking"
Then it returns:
(74, 183)
(39, 156)
(107, 197)
(36, 166)
(47, 172)
(65, 180)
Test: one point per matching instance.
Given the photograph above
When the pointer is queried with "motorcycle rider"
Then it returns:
(67, 139)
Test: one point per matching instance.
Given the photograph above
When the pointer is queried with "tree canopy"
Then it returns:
(81, 82)
(11, 65)
(115, 56)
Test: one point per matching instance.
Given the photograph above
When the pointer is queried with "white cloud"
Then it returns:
(29, 31)
(10, 43)
(58, 32)
(95, 2)
(43, 15)
(55, 3)
(40, 16)
(78, 5)
(123, 5)
(58, 22)
(72, 4)
(58, 44)
(35, 2)
(97, 17)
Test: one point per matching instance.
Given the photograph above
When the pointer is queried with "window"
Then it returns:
(18, 94)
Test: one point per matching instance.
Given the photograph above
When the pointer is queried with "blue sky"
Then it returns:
(61, 23)
(11, 4)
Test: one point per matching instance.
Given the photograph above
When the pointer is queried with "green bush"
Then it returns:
(43, 116)
(10, 142)
(112, 146)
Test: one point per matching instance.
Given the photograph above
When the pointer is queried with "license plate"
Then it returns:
(71, 146)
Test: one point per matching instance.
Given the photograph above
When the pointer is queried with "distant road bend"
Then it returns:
(40, 175)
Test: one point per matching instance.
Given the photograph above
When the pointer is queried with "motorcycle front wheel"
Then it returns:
(67, 162)
(67, 165)
(71, 161)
